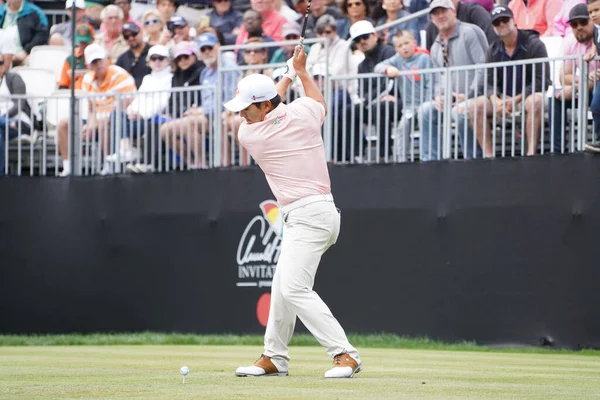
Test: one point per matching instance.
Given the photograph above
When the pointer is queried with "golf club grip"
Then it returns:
(305, 22)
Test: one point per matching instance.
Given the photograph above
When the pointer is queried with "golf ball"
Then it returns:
(184, 371)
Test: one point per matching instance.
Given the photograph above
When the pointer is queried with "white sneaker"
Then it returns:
(140, 168)
(108, 168)
(264, 366)
(124, 156)
(64, 173)
(344, 366)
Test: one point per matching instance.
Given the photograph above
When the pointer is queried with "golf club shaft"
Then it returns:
(305, 22)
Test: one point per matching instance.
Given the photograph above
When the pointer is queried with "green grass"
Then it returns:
(152, 372)
(359, 340)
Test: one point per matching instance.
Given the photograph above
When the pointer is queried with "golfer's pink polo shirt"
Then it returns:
(289, 149)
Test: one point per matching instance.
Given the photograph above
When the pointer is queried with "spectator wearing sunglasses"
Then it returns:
(152, 27)
(227, 20)
(145, 114)
(177, 132)
(134, 59)
(456, 44)
(112, 41)
(579, 41)
(338, 57)
(318, 8)
(354, 11)
(560, 24)
(506, 92)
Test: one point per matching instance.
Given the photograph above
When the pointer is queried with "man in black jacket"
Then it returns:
(379, 107)
(472, 13)
(512, 83)
(134, 59)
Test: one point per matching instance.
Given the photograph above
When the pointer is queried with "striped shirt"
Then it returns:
(117, 80)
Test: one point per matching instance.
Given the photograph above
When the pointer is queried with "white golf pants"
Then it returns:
(311, 226)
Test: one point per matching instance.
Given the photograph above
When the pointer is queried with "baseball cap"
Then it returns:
(290, 28)
(84, 33)
(207, 39)
(580, 11)
(440, 4)
(78, 4)
(158, 50)
(177, 21)
(183, 48)
(360, 28)
(501, 12)
(130, 27)
(254, 88)
(94, 52)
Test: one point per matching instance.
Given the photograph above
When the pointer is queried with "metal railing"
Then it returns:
(396, 120)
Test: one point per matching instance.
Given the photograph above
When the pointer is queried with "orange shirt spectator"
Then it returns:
(84, 35)
(537, 14)
(116, 80)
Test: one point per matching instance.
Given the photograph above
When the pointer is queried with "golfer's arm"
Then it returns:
(282, 87)
(311, 89)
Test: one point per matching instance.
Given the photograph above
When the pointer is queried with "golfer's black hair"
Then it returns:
(275, 101)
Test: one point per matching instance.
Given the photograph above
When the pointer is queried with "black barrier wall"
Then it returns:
(501, 251)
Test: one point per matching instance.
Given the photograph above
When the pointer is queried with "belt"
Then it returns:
(305, 201)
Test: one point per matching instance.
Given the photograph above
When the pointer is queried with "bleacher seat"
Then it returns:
(49, 57)
(554, 49)
(40, 84)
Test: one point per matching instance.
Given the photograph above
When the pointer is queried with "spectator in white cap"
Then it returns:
(60, 34)
(177, 133)
(102, 77)
(378, 102)
(146, 113)
(112, 40)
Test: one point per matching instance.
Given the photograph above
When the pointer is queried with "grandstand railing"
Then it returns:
(361, 129)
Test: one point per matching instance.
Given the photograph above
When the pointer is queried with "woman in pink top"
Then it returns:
(285, 140)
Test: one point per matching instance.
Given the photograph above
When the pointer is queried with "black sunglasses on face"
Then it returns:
(361, 38)
(130, 35)
(182, 57)
(503, 20)
(207, 48)
(292, 37)
(325, 32)
(578, 22)
(157, 58)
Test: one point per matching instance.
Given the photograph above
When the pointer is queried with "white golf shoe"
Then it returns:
(344, 366)
(264, 366)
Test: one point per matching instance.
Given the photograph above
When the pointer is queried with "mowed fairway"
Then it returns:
(152, 372)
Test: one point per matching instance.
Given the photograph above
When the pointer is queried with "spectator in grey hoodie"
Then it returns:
(457, 44)
(414, 88)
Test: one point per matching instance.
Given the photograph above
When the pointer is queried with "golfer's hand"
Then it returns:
(299, 59)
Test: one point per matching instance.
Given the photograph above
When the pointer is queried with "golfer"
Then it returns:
(285, 141)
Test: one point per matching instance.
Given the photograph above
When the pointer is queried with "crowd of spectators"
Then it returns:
(159, 50)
